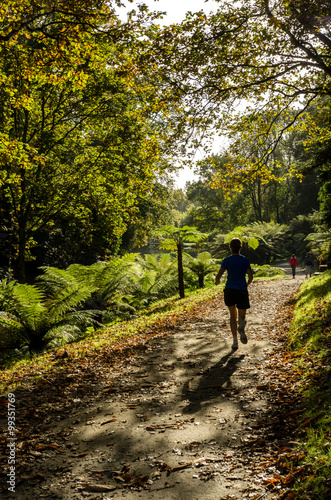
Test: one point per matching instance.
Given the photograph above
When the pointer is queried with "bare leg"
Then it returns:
(242, 324)
(242, 316)
(233, 321)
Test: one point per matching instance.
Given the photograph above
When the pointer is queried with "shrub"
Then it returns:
(267, 271)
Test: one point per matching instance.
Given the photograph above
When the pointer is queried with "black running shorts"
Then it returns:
(237, 298)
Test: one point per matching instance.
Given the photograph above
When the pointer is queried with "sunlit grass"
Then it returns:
(310, 341)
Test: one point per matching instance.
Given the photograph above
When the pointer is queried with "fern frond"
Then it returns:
(27, 303)
(6, 293)
(165, 261)
(54, 280)
(66, 301)
(10, 323)
(63, 334)
(82, 318)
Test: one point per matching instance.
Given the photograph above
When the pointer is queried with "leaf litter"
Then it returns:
(172, 412)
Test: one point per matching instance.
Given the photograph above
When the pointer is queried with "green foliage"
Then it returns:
(80, 147)
(173, 238)
(262, 242)
(272, 238)
(151, 317)
(325, 202)
(44, 314)
(210, 210)
(153, 208)
(319, 243)
(201, 266)
(267, 271)
(310, 341)
(274, 56)
(245, 234)
(164, 268)
(110, 281)
(274, 201)
(156, 278)
(124, 285)
(107, 277)
(297, 231)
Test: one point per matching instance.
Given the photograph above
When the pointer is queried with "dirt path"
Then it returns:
(180, 417)
(285, 265)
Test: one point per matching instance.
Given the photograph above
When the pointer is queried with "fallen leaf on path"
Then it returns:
(108, 421)
(47, 446)
(98, 488)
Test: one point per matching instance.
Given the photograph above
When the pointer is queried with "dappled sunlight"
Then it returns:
(158, 412)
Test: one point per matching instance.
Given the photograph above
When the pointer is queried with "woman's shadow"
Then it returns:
(213, 382)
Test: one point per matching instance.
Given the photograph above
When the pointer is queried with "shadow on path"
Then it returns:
(215, 381)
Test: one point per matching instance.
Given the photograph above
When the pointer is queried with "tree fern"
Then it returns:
(67, 300)
(320, 245)
(158, 275)
(201, 266)
(64, 291)
(6, 291)
(11, 323)
(26, 304)
(35, 312)
(10, 330)
(60, 335)
(108, 277)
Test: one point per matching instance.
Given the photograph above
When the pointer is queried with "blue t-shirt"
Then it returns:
(236, 266)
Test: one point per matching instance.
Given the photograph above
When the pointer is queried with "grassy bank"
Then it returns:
(310, 341)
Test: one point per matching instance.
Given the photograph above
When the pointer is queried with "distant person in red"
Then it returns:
(293, 264)
(235, 291)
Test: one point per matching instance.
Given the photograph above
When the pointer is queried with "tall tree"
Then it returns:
(78, 141)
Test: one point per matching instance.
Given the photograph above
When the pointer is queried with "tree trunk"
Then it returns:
(20, 269)
(247, 250)
(180, 270)
(201, 281)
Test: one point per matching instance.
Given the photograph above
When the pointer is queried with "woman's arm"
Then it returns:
(219, 275)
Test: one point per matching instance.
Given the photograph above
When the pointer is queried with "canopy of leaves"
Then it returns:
(78, 137)
(270, 56)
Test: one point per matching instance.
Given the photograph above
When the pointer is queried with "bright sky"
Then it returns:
(176, 10)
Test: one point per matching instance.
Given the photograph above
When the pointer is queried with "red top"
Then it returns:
(293, 261)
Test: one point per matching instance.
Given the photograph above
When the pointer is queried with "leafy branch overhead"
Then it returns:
(251, 70)
(78, 141)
